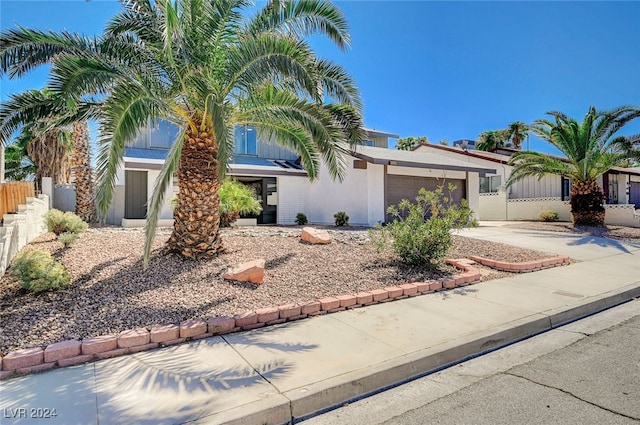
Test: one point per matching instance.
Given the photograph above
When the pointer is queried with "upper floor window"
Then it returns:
(162, 134)
(369, 143)
(490, 184)
(245, 140)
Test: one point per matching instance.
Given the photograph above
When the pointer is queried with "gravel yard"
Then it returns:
(610, 231)
(111, 292)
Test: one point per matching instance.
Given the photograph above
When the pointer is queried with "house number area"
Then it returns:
(27, 412)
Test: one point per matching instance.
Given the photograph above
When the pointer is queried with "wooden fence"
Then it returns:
(13, 194)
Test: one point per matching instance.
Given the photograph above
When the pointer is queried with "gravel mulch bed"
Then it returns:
(111, 292)
(609, 231)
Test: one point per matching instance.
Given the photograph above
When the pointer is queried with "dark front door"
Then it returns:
(135, 194)
(634, 193)
(266, 192)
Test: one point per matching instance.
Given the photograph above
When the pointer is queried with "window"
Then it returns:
(566, 189)
(245, 140)
(490, 184)
(369, 143)
(162, 134)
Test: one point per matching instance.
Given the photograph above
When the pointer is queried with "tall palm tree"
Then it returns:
(46, 142)
(206, 67)
(517, 133)
(590, 147)
(53, 130)
(491, 140)
(81, 170)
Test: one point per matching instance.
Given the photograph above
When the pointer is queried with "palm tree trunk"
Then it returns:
(50, 156)
(197, 215)
(586, 201)
(81, 163)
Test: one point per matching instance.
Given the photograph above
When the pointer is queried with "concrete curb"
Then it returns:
(334, 392)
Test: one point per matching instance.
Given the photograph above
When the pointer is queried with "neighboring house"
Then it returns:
(465, 144)
(376, 177)
(526, 198)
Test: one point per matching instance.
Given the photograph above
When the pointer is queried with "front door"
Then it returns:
(634, 193)
(135, 194)
(266, 192)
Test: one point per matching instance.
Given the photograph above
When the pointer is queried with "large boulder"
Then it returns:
(315, 236)
(251, 271)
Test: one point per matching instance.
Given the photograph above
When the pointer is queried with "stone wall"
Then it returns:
(19, 229)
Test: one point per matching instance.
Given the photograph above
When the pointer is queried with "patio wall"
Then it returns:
(495, 206)
(19, 229)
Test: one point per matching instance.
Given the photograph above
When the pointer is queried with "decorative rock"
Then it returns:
(23, 358)
(62, 350)
(252, 271)
(315, 236)
(99, 344)
(221, 324)
(133, 337)
(164, 333)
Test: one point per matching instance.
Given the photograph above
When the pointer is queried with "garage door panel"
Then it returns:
(408, 187)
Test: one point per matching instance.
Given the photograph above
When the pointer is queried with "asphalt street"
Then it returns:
(587, 372)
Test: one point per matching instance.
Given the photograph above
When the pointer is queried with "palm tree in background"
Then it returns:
(409, 143)
(591, 148)
(55, 137)
(205, 67)
(517, 133)
(491, 140)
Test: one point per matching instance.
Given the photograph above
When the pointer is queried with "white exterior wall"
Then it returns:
(621, 215)
(473, 194)
(529, 209)
(492, 206)
(293, 198)
(328, 196)
(375, 193)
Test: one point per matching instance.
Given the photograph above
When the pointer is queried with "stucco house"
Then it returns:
(376, 177)
(526, 198)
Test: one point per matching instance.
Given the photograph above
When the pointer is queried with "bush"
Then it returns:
(342, 219)
(548, 215)
(301, 219)
(67, 238)
(420, 232)
(39, 272)
(59, 222)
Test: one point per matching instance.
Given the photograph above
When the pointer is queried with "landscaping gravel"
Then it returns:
(110, 291)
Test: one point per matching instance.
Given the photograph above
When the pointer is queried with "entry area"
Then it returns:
(135, 194)
(267, 193)
(399, 187)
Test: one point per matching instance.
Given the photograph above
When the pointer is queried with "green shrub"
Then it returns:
(39, 272)
(67, 222)
(235, 199)
(548, 215)
(420, 232)
(342, 219)
(67, 238)
(301, 219)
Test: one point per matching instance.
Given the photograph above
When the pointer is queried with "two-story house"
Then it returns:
(376, 177)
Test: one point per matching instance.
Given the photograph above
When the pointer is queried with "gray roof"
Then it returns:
(377, 133)
(416, 159)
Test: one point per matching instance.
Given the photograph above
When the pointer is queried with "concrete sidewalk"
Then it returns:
(284, 372)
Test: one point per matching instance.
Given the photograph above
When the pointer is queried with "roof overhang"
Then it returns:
(258, 170)
(377, 133)
(422, 164)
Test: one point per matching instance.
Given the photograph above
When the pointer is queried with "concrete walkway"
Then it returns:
(274, 374)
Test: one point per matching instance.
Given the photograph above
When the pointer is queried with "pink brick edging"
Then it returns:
(68, 353)
(524, 267)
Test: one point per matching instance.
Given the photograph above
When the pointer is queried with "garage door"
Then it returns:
(407, 187)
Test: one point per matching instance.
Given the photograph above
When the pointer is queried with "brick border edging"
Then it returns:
(73, 352)
(524, 267)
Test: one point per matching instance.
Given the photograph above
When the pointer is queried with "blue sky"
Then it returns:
(447, 70)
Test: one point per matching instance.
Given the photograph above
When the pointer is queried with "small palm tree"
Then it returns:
(590, 147)
(206, 66)
(517, 133)
(409, 143)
